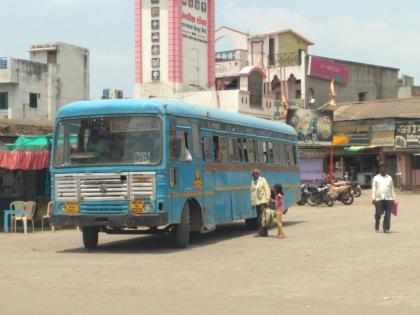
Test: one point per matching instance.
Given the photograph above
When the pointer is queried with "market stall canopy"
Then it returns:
(26, 153)
(359, 148)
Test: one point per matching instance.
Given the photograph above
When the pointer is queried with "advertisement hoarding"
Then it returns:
(314, 127)
(328, 69)
(407, 134)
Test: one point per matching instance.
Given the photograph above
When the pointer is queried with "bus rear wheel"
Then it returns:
(90, 237)
(181, 232)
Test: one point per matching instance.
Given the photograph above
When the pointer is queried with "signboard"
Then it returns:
(357, 132)
(228, 55)
(328, 70)
(194, 20)
(314, 127)
(407, 134)
(383, 134)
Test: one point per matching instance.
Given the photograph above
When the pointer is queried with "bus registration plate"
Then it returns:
(137, 206)
(72, 208)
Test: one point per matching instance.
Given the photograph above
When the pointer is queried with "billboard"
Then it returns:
(407, 134)
(328, 70)
(358, 133)
(314, 127)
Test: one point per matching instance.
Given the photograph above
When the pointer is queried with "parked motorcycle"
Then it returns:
(319, 196)
(356, 190)
(341, 193)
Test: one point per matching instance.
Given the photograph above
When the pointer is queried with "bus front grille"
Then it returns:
(103, 187)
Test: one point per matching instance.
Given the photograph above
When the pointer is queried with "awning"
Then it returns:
(359, 148)
(26, 153)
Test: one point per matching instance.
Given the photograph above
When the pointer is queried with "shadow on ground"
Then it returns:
(162, 244)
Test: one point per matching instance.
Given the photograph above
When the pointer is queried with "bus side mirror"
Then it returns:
(176, 147)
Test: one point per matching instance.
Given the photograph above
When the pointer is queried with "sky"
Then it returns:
(383, 32)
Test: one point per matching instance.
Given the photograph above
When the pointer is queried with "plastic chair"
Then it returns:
(15, 205)
(48, 216)
(29, 216)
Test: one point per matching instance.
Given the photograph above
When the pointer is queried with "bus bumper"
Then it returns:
(156, 219)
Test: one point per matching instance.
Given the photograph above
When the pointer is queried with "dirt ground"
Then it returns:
(332, 262)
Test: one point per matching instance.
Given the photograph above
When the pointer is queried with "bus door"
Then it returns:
(208, 178)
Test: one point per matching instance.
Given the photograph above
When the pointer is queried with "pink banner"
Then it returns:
(24, 160)
(328, 70)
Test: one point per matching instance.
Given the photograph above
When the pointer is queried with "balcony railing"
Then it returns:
(285, 59)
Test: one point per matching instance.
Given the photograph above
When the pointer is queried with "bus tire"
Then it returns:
(181, 232)
(251, 223)
(90, 237)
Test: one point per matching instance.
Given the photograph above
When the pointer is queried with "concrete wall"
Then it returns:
(378, 83)
(240, 39)
(57, 83)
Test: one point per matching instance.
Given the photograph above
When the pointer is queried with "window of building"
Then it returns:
(255, 87)
(362, 96)
(4, 100)
(52, 57)
(33, 100)
(271, 52)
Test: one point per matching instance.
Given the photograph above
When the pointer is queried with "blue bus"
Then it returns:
(158, 166)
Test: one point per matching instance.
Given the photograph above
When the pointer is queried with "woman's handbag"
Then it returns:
(394, 208)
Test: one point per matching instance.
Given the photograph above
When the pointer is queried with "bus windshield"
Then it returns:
(108, 140)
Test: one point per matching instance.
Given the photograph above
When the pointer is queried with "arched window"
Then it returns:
(255, 87)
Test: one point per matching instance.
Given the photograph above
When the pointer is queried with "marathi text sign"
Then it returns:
(383, 134)
(357, 132)
(328, 70)
(407, 134)
(314, 127)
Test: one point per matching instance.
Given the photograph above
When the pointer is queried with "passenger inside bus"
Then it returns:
(99, 145)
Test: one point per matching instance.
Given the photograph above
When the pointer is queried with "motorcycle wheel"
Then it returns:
(347, 199)
(357, 192)
(301, 202)
(313, 200)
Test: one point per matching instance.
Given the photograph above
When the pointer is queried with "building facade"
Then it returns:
(355, 82)
(55, 74)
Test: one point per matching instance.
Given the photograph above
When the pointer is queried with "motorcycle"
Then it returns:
(356, 190)
(341, 193)
(319, 196)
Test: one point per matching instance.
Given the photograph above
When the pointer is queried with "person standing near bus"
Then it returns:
(279, 207)
(383, 195)
(260, 197)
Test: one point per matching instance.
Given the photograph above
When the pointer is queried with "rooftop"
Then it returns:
(389, 108)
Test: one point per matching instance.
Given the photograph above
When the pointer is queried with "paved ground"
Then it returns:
(332, 262)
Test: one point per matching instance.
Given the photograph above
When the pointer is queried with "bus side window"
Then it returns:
(245, 150)
(261, 152)
(284, 154)
(270, 152)
(276, 153)
(250, 150)
(240, 149)
(224, 149)
(185, 146)
(233, 150)
(196, 140)
(207, 149)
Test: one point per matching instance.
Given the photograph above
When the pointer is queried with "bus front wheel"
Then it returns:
(90, 237)
(181, 232)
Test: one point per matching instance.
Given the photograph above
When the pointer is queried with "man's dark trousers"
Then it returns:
(383, 207)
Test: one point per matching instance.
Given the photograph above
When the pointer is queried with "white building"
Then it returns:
(54, 75)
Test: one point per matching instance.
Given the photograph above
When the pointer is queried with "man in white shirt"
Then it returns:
(260, 197)
(383, 195)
